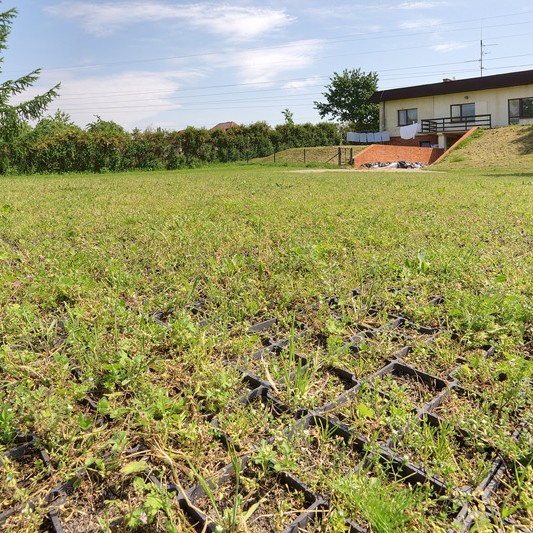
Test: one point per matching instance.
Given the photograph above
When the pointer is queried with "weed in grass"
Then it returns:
(514, 499)
(248, 498)
(456, 458)
(246, 425)
(8, 430)
(212, 389)
(371, 355)
(297, 374)
(438, 358)
(420, 265)
(376, 417)
(406, 388)
(374, 499)
(316, 454)
(479, 415)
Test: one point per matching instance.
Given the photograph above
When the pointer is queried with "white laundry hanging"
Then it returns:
(409, 131)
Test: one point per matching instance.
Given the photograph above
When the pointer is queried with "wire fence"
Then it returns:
(332, 155)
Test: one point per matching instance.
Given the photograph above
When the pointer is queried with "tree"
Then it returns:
(13, 116)
(106, 127)
(288, 115)
(53, 124)
(347, 99)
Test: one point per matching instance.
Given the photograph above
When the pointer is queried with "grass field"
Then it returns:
(396, 377)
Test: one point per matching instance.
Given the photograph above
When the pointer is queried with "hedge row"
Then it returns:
(55, 145)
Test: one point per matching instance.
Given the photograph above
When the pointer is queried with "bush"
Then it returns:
(56, 145)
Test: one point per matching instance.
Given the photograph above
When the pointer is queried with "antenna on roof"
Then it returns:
(482, 52)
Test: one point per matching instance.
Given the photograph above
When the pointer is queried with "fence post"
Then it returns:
(339, 154)
(274, 156)
(351, 155)
(305, 156)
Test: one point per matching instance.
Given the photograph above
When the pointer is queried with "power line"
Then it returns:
(345, 38)
(233, 104)
(166, 94)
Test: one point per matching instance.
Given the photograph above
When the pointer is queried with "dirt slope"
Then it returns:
(510, 147)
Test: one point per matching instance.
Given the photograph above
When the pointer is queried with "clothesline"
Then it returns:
(377, 137)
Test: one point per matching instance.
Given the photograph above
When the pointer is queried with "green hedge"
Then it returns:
(55, 145)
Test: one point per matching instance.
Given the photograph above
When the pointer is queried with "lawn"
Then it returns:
(337, 350)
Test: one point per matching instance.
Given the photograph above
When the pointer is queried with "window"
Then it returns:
(462, 112)
(520, 108)
(407, 116)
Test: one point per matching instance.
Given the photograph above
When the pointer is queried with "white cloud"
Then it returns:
(419, 24)
(448, 47)
(266, 64)
(297, 85)
(129, 98)
(420, 5)
(234, 22)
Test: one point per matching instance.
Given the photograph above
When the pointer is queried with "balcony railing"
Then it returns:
(449, 124)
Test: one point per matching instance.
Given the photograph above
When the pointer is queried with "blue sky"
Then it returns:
(172, 64)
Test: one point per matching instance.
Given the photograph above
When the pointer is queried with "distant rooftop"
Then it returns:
(449, 86)
(224, 125)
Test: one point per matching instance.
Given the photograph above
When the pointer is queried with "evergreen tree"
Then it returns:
(13, 116)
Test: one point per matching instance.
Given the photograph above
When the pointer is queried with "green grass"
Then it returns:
(314, 156)
(509, 147)
(87, 260)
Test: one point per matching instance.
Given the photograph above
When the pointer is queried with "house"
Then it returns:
(445, 110)
(224, 126)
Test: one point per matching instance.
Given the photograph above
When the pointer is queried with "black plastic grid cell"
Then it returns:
(324, 383)
(273, 332)
(493, 495)
(65, 494)
(264, 325)
(412, 335)
(426, 389)
(258, 372)
(60, 495)
(424, 357)
(198, 499)
(335, 429)
(262, 400)
(370, 332)
(487, 352)
(487, 455)
(197, 309)
(396, 330)
(370, 414)
(508, 422)
(396, 467)
(28, 447)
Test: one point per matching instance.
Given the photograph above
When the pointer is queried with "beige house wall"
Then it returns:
(489, 101)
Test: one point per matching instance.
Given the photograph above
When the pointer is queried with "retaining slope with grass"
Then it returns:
(508, 148)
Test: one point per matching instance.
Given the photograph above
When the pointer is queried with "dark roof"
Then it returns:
(496, 81)
(224, 125)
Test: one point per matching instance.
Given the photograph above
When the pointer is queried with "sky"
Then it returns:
(169, 64)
